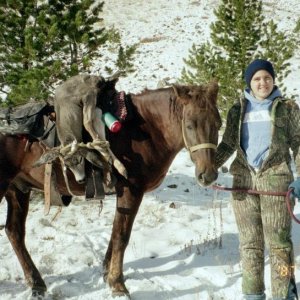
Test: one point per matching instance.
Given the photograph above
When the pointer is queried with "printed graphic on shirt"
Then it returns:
(257, 116)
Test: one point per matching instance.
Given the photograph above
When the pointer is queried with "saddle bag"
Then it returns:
(24, 119)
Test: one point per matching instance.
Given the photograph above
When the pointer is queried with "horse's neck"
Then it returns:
(163, 123)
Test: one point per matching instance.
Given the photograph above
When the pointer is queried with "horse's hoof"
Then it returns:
(37, 295)
(105, 277)
(119, 290)
(124, 295)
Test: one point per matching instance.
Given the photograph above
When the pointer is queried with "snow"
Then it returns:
(184, 251)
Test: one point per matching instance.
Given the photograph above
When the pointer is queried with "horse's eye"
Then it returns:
(189, 127)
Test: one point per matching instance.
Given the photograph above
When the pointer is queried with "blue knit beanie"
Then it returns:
(256, 65)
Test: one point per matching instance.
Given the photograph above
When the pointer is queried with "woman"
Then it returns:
(262, 127)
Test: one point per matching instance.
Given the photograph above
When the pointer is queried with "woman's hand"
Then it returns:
(295, 186)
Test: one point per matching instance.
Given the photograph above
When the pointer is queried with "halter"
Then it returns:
(198, 146)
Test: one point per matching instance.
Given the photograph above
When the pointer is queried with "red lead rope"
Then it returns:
(253, 192)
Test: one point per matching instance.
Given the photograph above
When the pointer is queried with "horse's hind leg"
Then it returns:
(18, 203)
(127, 207)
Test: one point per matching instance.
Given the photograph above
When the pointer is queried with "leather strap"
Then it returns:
(203, 146)
(47, 187)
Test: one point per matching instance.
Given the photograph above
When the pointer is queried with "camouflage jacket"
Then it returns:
(285, 117)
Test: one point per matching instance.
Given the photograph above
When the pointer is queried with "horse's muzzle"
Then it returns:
(206, 178)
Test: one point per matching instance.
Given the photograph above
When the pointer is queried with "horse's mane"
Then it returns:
(202, 90)
(174, 106)
(198, 95)
(149, 91)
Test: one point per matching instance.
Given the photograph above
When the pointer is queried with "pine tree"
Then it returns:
(44, 42)
(239, 35)
(297, 32)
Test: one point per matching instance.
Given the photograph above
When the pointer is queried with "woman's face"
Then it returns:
(262, 84)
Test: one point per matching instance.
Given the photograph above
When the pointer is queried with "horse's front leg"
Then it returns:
(18, 203)
(127, 207)
(3, 189)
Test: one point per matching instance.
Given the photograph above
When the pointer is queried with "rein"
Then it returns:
(254, 192)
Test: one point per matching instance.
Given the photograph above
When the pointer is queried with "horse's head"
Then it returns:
(200, 125)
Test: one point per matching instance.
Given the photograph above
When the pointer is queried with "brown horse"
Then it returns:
(165, 121)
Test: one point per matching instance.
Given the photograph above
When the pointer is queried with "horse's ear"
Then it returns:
(175, 89)
(182, 93)
(212, 91)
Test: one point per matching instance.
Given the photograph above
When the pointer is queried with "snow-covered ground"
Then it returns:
(187, 251)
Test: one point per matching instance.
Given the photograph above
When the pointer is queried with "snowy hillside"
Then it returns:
(166, 30)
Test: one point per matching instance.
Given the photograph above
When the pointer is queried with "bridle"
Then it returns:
(197, 147)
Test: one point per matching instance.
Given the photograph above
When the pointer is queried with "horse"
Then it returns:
(165, 121)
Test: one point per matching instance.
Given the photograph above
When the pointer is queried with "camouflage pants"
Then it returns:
(264, 220)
